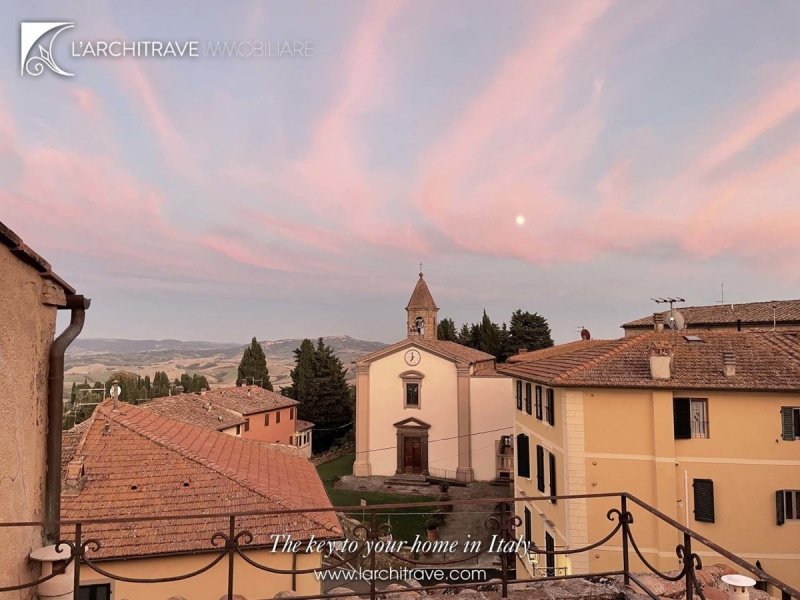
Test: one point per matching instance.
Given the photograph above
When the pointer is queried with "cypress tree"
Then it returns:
(253, 367)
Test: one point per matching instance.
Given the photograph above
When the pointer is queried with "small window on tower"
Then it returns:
(419, 325)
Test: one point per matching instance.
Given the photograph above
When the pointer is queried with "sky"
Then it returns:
(570, 158)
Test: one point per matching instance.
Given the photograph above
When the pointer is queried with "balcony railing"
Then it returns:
(235, 543)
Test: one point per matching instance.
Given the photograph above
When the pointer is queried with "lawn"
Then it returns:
(406, 523)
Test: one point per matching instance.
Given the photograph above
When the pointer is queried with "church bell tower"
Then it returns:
(421, 311)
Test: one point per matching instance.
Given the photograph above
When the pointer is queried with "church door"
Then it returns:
(412, 454)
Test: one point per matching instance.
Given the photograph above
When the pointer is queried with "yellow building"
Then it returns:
(430, 407)
(130, 462)
(705, 427)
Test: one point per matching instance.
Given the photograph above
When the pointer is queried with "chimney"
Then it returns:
(661, 362)
(75, 476)
(738, 586)
(728, 363)
(658, 321)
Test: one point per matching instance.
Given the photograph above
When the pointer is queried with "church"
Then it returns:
(430, 408)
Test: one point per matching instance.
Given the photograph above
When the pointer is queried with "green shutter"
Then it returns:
(787, 420)
(523, 456)
(540, 468)
(553, 490)
(780, 507)
(682, 417)
(703, 500)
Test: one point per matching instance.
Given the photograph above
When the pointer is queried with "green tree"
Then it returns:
(253, 367)
(446, 330)
(529, 331)
(319, 383)
(488, 336)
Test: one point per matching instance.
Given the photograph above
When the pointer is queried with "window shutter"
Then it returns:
(551, 406)
(780, 507)
(519, 395)
(540, 468)
(787, 414)
(527, 524)
(523, 456)
(703, 500)
(528, 398)
(539, 402)
(553, 490)
(682, 415)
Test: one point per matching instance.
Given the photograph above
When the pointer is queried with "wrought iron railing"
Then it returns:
(235, 543)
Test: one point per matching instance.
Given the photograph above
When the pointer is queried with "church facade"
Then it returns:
(432, 408)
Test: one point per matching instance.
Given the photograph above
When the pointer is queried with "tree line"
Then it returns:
(525, 331)
(134, 389)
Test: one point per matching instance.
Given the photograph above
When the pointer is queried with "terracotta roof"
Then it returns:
(247, 400)
(24, 253)
(553, 350)
(70, 441)
(303, 425)
(451, 350)
(421, 296)
(765, 361)
(750, 313)
(197, 410)
(139, 463)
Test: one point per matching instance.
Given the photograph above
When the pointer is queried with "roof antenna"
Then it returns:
(114, 391)
(674, 319)
(721, 300)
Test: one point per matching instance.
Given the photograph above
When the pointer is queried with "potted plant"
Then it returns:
(432, 528)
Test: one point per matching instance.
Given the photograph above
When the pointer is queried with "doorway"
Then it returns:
(412, 454)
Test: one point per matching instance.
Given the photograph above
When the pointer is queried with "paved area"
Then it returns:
(465, 523)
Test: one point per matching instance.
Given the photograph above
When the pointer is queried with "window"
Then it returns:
(549, 406)
(291, 414)
(528, 398)
(519, 395)
(540, 468)
(690, 418)
(247, 424)
(412, 394)
(528, 532)
(553, 490)
(95, 592)
(787, 503)
(790, 420)
(539, 402)
(703, 500)
(266, 419)
(238, 430)
(277, 417)
(523, 456)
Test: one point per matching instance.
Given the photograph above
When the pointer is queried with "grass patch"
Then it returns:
(406, 523)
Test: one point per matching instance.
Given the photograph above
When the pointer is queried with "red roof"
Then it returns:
(455, 352)
(138, 463)
(749, 313)
(421, 296)
(247, 399)
(765, 361)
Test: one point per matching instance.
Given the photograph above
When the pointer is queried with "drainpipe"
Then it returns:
(55, 412)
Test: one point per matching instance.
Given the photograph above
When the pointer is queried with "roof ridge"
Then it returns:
(208, 463)
(626, 343)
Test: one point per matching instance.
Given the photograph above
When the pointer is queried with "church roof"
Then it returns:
(450, 350)
(421, 297)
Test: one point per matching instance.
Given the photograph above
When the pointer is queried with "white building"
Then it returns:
(429, 407)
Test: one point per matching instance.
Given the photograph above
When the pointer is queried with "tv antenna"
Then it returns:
(673, 317)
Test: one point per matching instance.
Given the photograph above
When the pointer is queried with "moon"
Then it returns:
(520, 220)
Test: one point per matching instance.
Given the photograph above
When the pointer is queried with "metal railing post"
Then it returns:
(76, 564)
(372, 534)
(231, 555)
(688, 564)
(505, 525)
(626, 564)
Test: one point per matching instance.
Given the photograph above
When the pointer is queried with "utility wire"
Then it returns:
(454, 437)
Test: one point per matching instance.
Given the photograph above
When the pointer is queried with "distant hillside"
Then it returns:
(95, 359)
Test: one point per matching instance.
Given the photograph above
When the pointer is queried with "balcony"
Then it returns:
(369, 543)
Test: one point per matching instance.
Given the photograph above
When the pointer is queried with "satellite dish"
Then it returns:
(674, 320)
